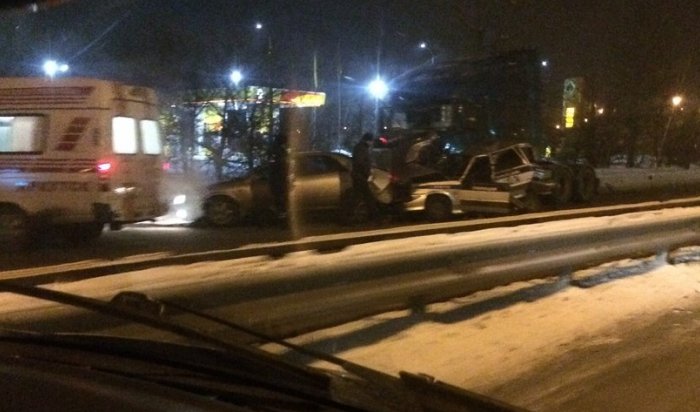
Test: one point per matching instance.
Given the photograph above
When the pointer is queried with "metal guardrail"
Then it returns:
(326, 243)
(441, 274)
(324, 296)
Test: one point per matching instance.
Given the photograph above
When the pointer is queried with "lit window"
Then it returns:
(21, 133)
(150, 137)
(124, 135)
(569, 117)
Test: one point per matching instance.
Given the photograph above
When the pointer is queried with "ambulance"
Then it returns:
(76, 154)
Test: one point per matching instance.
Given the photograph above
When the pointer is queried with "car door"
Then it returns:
(316, 182)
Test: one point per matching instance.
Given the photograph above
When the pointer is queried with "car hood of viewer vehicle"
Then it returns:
(197, 371)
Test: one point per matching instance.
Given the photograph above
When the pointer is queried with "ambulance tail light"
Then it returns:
(104, 170)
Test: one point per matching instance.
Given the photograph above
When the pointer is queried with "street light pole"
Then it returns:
(675, 102)
(378, 89)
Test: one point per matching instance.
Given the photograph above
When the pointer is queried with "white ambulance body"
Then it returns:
(77, 153)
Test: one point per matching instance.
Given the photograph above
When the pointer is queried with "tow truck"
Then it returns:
(464, 136)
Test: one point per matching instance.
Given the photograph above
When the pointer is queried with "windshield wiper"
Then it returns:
(137, 307)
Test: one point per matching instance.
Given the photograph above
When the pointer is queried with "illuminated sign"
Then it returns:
(296, 98)
(569, 115)
(285, 98)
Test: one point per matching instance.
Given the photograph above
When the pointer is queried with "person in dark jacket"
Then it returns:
(361, 172)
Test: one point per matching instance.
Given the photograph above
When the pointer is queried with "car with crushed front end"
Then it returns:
(503, 181)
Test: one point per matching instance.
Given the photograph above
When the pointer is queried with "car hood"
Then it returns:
(102, 372)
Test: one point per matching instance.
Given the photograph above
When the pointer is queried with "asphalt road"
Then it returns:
(146, 239)
(655, 368)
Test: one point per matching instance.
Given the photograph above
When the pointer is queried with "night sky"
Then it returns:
(619, 46)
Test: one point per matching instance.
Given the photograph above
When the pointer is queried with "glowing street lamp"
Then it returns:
(424, 46)
(676, 100)
(236, 77)
(378, 88)
(52, 68)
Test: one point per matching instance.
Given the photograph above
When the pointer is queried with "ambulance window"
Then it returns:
(21, 134)
(124, 135)
(150, 137)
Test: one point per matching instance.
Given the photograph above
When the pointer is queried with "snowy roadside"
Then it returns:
(490, 338)
(622, 179)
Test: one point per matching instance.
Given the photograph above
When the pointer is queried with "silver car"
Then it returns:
(318, 181)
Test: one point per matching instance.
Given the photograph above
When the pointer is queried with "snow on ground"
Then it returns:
(487, 339)
(620, 179)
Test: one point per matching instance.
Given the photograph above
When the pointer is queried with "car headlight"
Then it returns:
(179, 200)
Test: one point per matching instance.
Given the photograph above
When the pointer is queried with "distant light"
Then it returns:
(378, 88)
(676, 100)
(52, 68)
(258, 26)
(545, 63)
(236, 77)
(600, 110)
(423, 45)
(557, 126)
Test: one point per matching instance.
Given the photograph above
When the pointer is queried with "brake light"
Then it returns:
(104, 167)
(383, 140)
(103, 174)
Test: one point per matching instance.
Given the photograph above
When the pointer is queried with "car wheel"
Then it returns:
(585, 185)
(14, 228)
(222, 211)
(438, 208)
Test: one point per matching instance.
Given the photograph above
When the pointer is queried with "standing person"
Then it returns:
(361, 170)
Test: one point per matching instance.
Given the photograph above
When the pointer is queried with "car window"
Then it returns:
(479, 172)
(507, 159)
(315, 165)
(21, 133)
